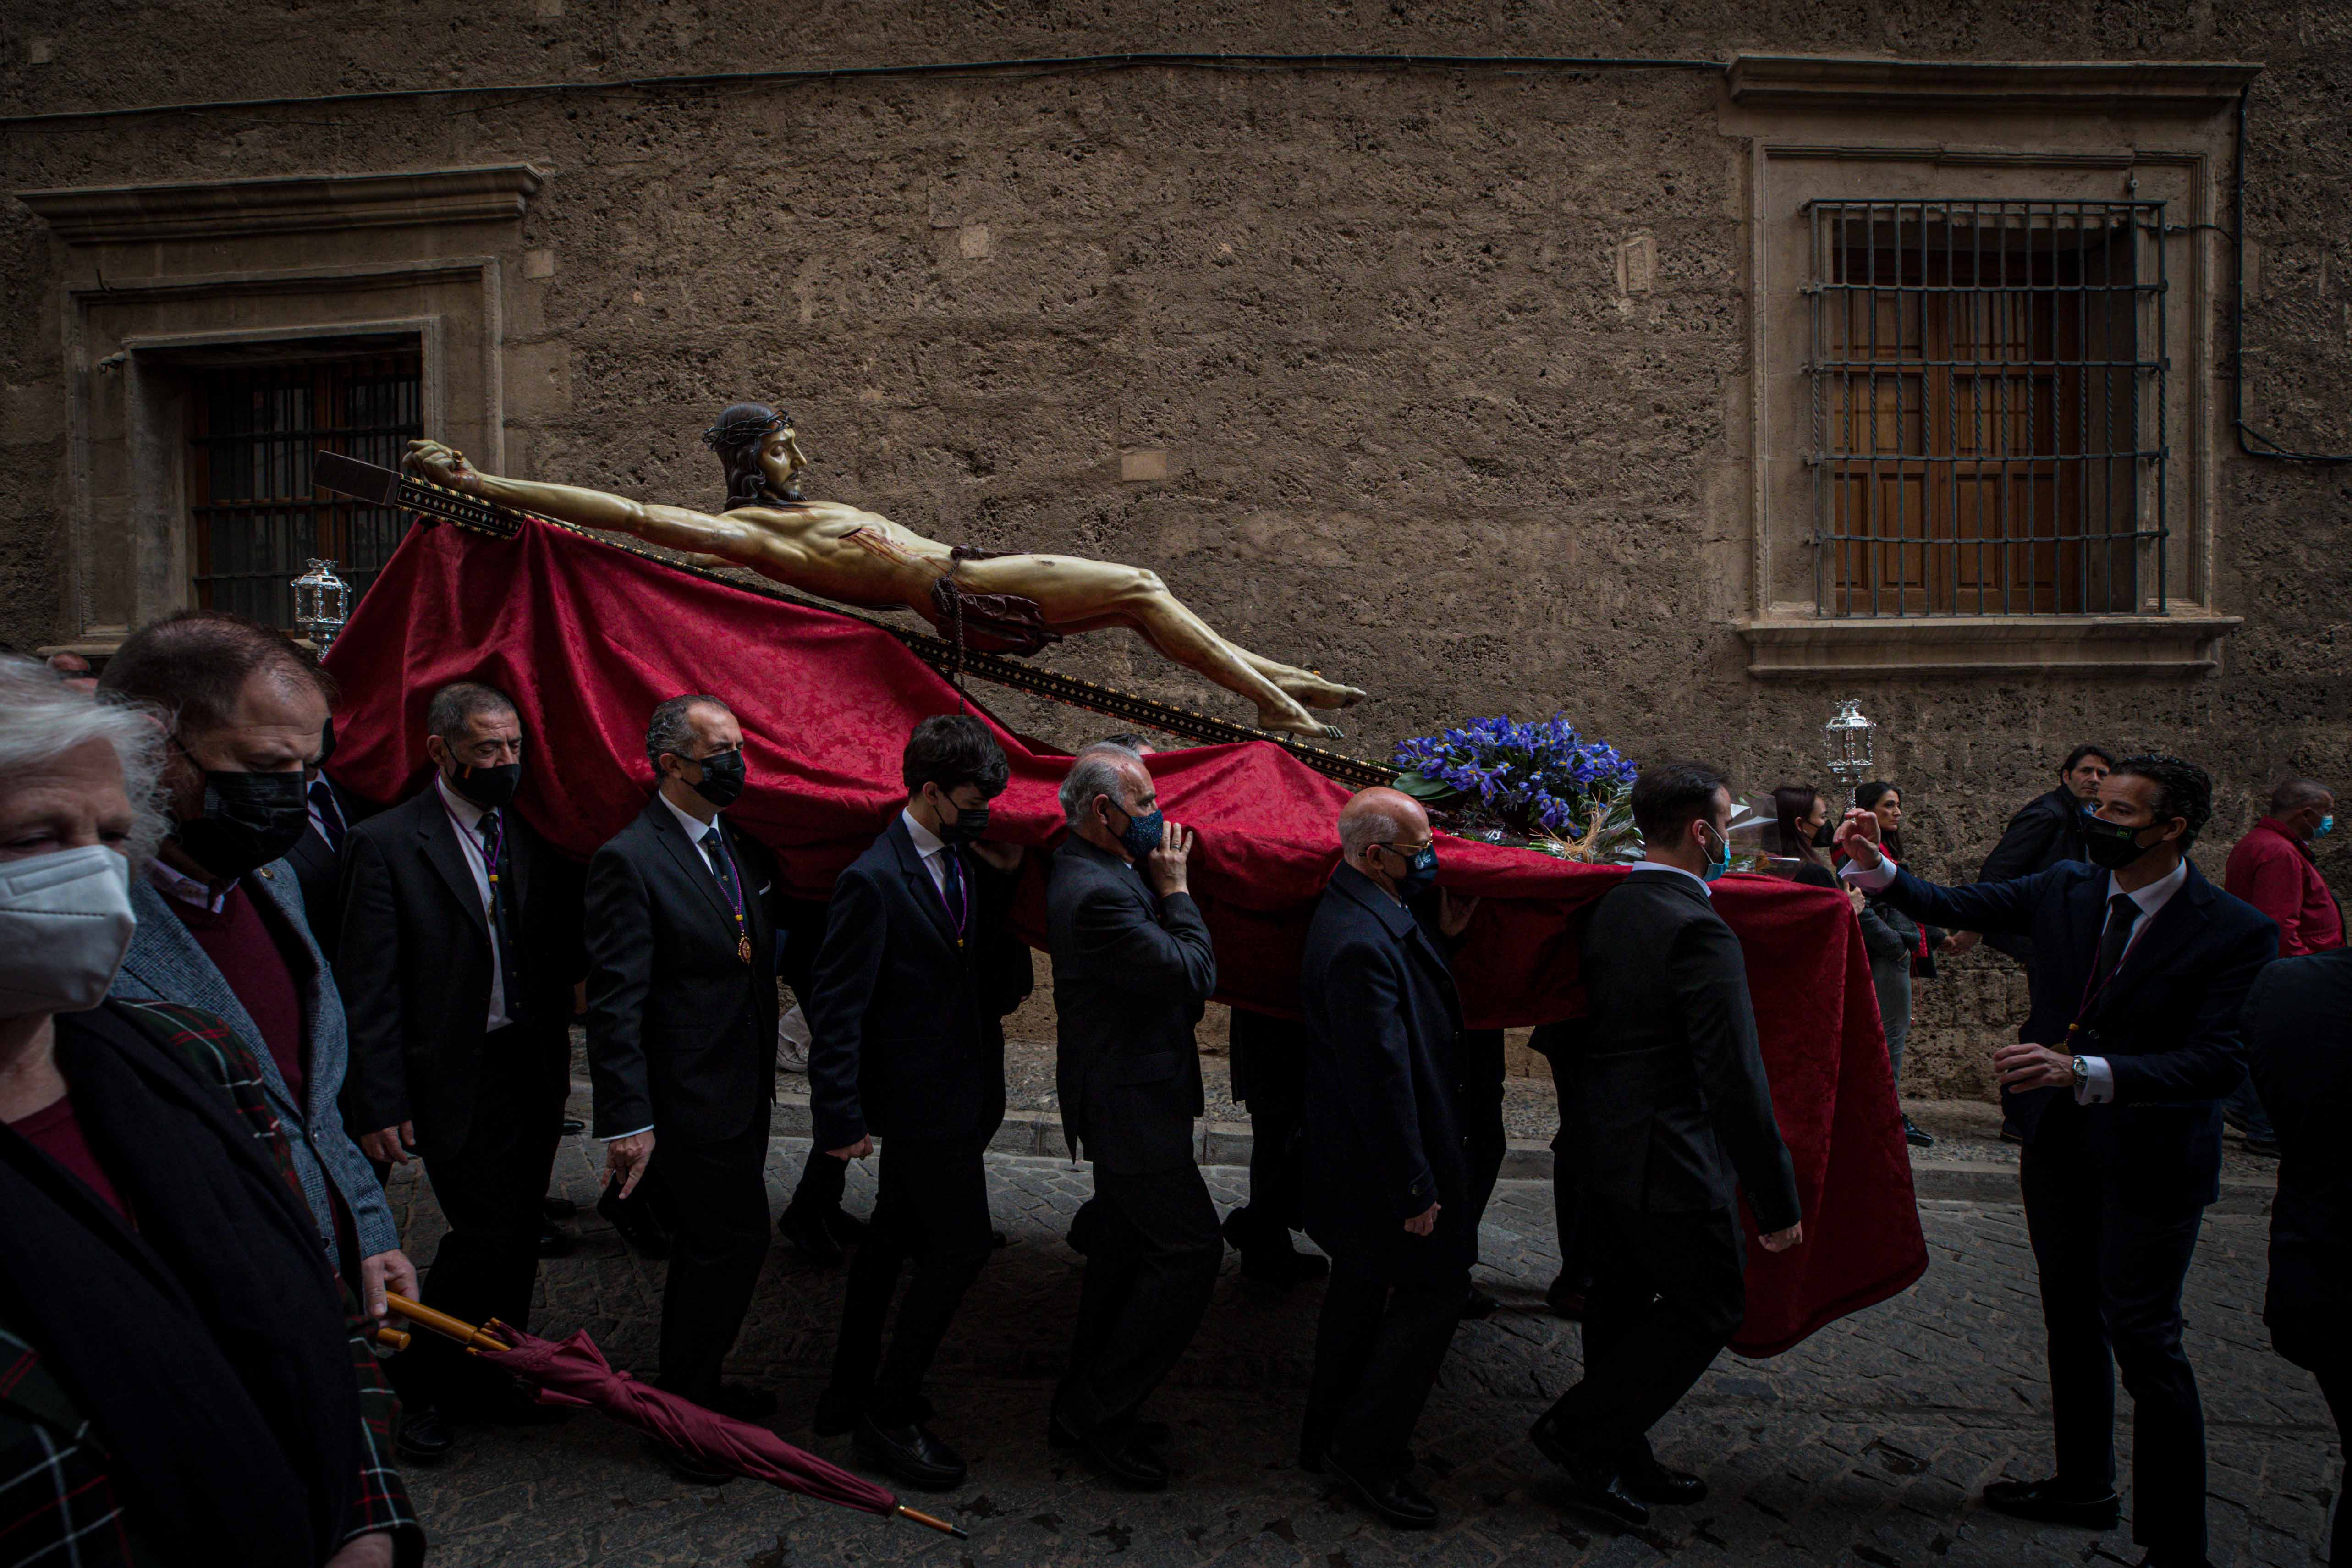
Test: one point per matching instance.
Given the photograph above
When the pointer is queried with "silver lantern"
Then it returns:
(322, 602)
(1848, 737)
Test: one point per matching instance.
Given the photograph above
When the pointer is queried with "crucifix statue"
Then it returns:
(996, 603)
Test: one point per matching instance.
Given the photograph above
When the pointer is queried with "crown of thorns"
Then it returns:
(742, 431)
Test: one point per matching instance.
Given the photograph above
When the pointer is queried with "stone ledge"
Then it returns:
(2185, 643)
(212, 209)
(1846, 81)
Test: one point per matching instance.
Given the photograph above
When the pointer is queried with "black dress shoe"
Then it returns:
(424, 1435)
(910, 1453)
(1119, 1452)
(846, 1228)
(559, 1208)
(1594, 1483)
(553, 1243)
(1479, 1304)
(685, 1467)
(2047, 1502)
(998, 1238)
(638, 1223)
(1917, 1136)
(1398, 1501)
(805, 1228)
(1654, 1483)
(743, 1402)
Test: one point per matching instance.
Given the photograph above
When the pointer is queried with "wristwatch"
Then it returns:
(2082, 1073)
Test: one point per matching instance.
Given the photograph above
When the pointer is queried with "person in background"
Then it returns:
(2047, 831)
(1800, 826)
(461, 946)
(907, 1013)
(2272, 868)
(2139, 971)
(187, 1380)
(2298, 1024)
(1388, 1168)
(1901, 950)
(1676, 1121)
(681, 1026)
(1132, 973)
(221, 919)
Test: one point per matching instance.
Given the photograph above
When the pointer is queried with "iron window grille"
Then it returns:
(258, 517)
(1988, 407)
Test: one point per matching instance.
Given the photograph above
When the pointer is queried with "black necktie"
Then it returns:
(499, 866)
(2121, 914)
(330, 815)
(722, 867)
(951, 885)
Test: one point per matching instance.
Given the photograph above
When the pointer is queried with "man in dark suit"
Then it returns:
(2047, 831)
(906, 1017)
(1560, 1044)
(2298, 1024)
(1266, 1061)
(1388, 1168)
(1132, 973)
(681, 1039)
(460, 944)
(1676, 1119)
(2139, 969)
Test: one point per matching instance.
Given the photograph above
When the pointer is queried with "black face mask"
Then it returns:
(249, 820)
(1825, 836)
(969, 823)
(489, 787)
(723, 778)
(2111, 845)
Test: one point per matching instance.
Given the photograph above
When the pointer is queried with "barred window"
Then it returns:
(256, 518)
(1988, 407)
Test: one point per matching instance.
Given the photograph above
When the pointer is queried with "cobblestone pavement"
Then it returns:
(1866, 1443)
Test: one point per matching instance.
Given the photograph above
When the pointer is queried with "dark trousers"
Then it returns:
(822, 1181)
(489, 1189)
(2111, 1274)
(1268, 1063)
(715, 1197)
(1152, 1249)
(1566, 1195)
(931, 1205)
(1482, 1114)
(1667, 1295)
(2313, 1341)
(1377, 1351)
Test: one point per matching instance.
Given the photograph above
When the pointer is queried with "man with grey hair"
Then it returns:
(222, 924)
(1388, 1166)
(1132, 970)
(681, 1024)
(461, 943)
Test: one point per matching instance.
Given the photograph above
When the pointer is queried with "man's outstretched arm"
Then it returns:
(673, 526)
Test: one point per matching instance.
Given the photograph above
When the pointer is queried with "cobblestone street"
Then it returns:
(1866, 1444)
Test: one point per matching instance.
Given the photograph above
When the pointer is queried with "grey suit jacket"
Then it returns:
(164, 964)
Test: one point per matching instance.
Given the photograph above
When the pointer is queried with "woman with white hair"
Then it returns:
(187, 1380)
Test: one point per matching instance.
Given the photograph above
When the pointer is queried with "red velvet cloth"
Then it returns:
(587, 638)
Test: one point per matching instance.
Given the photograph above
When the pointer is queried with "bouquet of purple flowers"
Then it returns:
(1543, 782)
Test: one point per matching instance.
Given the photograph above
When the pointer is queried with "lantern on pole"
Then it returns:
(322, 602)
(1848, 737)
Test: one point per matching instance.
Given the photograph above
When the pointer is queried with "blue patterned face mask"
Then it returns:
(1421, 873)
(2326, 826)
(1716, 867)
(1142, 834)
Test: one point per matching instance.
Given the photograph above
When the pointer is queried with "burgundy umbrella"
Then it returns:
(575, 1371)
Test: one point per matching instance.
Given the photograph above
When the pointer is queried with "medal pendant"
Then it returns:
(743, 948)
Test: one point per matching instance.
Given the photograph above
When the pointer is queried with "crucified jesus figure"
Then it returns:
(1013, 604)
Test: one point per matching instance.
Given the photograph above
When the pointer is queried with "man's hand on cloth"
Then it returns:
(1454, 910)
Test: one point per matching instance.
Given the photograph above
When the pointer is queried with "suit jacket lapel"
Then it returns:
(2088, 917)
(166, 963)
(2182, 915)
(437, 837)
(919, 886)
(689, 856)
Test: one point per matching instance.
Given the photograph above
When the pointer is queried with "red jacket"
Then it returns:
(2273, 870)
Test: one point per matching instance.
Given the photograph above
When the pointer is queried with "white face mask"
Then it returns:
(65, 924)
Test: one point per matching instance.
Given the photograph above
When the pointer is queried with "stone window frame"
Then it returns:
(128, 252)
(1819, 127)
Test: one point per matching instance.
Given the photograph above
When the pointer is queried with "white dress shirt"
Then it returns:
(1676, 871)
(2098, 1085)
(932, 847)
(695, 828)
(465, 816)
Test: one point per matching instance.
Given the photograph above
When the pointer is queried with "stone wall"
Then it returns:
(1353, 358)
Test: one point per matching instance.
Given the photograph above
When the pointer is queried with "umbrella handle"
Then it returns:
(457, 1328)
(941, 1525)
